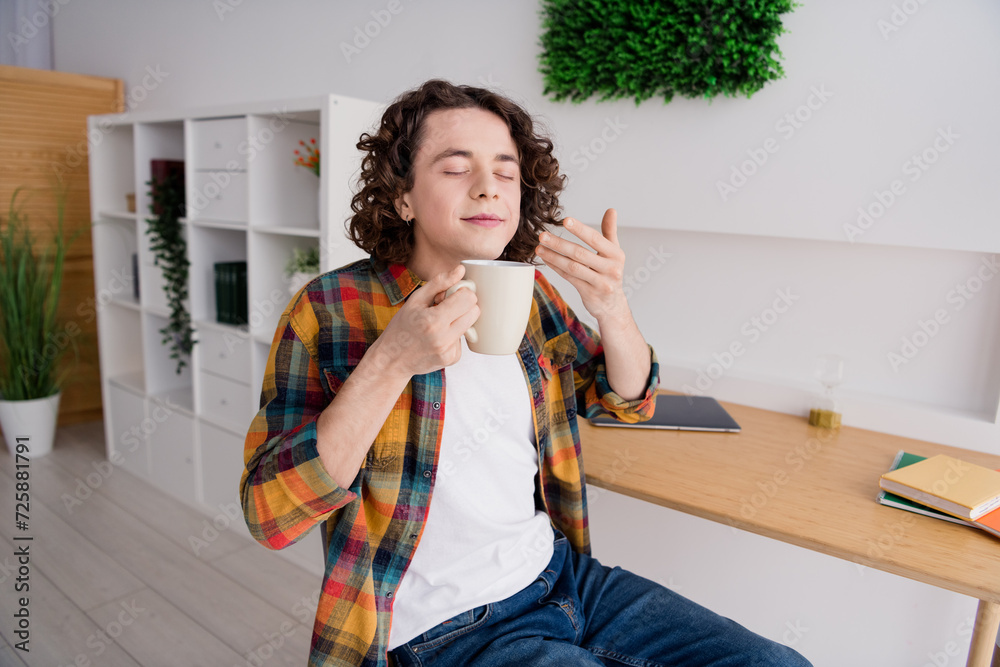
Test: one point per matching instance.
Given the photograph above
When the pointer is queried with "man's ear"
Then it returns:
(402, 205)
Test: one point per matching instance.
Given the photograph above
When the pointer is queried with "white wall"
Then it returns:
(661, 169)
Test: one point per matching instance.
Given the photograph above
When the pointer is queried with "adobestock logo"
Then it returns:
(899, 16)
(372, 29)
(753, 329)
(927, 330)
(914, 167)
(787, 125)
(584, 155)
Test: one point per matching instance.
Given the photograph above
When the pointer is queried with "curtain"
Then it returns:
(26, 32)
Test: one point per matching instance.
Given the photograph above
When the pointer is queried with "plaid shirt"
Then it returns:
(374, 526)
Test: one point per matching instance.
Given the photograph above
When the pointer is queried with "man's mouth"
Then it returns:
(485, 220)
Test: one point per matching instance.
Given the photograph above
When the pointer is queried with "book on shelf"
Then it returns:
(135, 276)
(241, 293)
(219, 307)
(231, 292)
(990, 522)
(169, 172)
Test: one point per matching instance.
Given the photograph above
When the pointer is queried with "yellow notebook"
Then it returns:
(951, 485)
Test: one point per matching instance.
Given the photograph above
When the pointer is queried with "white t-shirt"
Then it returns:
(483, 540)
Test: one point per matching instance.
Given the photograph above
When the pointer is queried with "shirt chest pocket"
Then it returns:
(557, 353)
(385, 451)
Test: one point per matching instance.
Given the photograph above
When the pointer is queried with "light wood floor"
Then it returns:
(115, 580)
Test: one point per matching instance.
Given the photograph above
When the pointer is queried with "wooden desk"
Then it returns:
(770, 478)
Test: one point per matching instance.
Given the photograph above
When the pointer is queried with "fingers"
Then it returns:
(456, 305)
(604, 245)
(465, 320)
(609, 226)
(428, 293)
(569, 268)
(559, 251)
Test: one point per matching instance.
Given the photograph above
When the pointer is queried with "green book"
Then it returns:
(902, 460)
(223, 292)
(230, 293)
(217, 276)
(240, 314)
(220, 288)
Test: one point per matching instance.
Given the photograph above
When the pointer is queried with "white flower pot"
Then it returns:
(33, 420)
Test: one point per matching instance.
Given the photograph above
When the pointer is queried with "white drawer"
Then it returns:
(129, 440)
(225, 354)
(171, 452)
(220, 144)
(219, 195)
(221, 466)
(225, 401)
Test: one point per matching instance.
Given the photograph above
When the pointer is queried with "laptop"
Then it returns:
(680, 412)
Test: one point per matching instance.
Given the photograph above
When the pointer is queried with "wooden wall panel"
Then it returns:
(43, 138)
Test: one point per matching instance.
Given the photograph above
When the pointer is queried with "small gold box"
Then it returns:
(824, 418)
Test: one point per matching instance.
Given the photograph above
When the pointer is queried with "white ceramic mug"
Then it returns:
(504, 290)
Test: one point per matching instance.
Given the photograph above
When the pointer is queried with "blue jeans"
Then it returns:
(579, 612)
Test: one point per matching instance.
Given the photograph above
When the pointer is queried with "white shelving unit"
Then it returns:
(246, 201)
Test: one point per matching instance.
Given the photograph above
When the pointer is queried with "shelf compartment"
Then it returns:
(121, 348)
(114, 242)
(269, 287)
(180, 399)
(152, 282)
(112, 167)
(207, 246)
(161, 370)
(120, 215)
(134, 381)
(282, 193)
(154, 141)
(145, 240)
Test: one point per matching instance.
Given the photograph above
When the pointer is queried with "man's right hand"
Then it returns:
(423, 337)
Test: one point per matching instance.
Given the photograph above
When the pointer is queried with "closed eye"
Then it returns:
(460, 173)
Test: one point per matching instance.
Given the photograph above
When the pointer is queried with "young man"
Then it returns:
(450, 484)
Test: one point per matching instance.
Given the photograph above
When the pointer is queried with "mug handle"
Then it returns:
(470, 334)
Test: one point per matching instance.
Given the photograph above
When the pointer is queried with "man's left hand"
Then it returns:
(596, 274)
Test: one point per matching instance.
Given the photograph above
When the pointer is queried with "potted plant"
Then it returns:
(307, 155)
(31, 338)
(167, 206)
(301, 268)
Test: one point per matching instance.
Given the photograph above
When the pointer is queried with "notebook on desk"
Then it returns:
(680, 412)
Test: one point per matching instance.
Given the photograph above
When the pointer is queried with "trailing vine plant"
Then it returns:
(642, 48)
(170, 250)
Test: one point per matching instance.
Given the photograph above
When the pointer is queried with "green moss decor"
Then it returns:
(646, 48)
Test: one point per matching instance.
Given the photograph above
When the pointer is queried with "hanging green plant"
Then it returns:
(170, 250)
(642, 48)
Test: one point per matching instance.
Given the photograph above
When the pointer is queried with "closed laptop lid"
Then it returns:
(681, 412)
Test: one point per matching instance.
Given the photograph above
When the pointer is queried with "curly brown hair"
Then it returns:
(386, 171)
